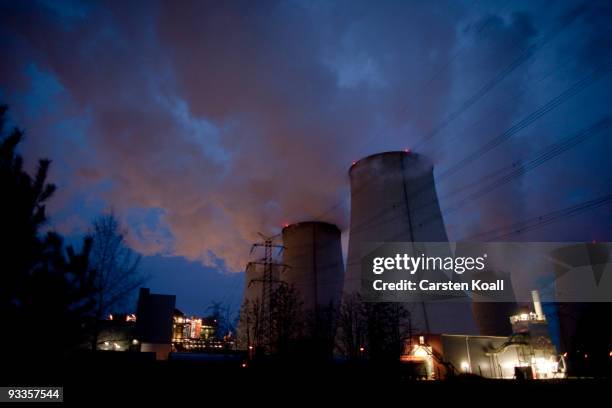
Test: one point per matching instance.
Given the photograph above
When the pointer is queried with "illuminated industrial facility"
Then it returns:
(394, 199)
(192, 334)
(528, 353)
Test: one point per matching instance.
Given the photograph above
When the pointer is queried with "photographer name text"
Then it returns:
(475, 285)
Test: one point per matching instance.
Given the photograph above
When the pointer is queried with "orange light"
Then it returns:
(610, 354)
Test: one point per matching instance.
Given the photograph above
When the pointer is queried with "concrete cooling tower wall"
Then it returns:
(313, 256)
(580, 324)
(493, 318)
(393, 199)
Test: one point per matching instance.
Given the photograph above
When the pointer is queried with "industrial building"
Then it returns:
(394, 199)
(197, 334)
(528, 353)
(118, 333)
(154, 322)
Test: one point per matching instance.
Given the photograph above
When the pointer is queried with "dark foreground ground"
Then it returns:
(106, 380)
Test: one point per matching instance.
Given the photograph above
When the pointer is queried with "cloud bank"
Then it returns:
(203, 123)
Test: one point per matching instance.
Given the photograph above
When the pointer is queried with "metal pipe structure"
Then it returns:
(537, 305)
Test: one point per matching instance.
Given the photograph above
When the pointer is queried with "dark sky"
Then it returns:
(202, 123)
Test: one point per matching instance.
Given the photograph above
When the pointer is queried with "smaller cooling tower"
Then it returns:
(254, 303)
(581, 325)
(314, 266)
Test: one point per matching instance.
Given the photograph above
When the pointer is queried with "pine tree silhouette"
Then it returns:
(46, 290)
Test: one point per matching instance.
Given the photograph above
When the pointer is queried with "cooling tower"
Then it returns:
(493, 318)
(393, 199)
(253, 305)
(581, 325)
(314, 266)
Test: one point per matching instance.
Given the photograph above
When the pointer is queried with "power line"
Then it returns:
(525, 88)
(541, 220)
(487, 87)
(445, 66)
(566, 20)
(510, 132)
(269, 282)
(533, 223)
(528, 120)
(519, 169)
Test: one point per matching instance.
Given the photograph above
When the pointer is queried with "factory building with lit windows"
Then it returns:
(528, 353)
(193, 334)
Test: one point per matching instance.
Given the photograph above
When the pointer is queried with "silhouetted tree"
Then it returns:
(251, 333)
(370, 329)
(116, 266)
(387, 326)
(352, 329)
(286, 322)
(287, 319)
(46, 288)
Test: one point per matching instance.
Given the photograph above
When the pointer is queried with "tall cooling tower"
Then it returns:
(393, 199)
(313, 256)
